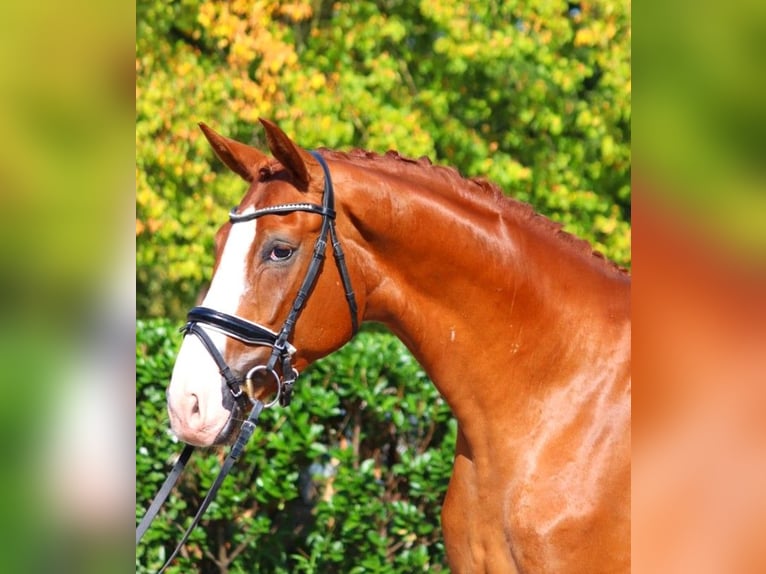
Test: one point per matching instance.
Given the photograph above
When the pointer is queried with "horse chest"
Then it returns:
(544, 509)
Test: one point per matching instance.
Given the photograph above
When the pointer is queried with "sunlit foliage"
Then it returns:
(535, 96)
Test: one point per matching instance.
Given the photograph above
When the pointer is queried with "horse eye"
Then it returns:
(280, 254)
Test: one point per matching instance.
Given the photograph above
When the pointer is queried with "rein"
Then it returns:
(255, 334)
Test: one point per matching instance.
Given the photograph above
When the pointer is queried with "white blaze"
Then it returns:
(194, 396)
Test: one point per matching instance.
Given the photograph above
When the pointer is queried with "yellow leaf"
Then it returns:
(584, 37)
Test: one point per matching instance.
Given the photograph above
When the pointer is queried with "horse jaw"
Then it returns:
(195, 395)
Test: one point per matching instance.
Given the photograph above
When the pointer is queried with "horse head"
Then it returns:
(274, 304)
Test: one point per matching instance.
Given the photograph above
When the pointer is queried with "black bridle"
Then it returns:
(255, 334)
(258, 335)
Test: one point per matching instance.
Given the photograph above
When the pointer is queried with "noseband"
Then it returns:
(255, 334)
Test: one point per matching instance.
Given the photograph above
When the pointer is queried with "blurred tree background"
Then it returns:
(533, 95)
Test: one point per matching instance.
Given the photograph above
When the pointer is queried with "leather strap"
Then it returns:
(235, 327)
(284, 209)
(340, 260)
(163, 492)
(231, 380)
(244, 436)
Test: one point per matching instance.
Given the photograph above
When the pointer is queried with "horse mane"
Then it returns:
(467, 186)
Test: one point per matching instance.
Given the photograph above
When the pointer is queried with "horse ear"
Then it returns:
(300, 163)
(238, 157)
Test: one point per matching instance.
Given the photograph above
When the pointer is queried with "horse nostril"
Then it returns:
(195, 405)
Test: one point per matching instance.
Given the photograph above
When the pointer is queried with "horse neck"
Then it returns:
(474, 287)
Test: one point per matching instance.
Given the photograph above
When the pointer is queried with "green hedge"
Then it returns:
(349, 478)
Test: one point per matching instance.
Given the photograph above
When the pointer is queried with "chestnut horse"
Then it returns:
(522, 328)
